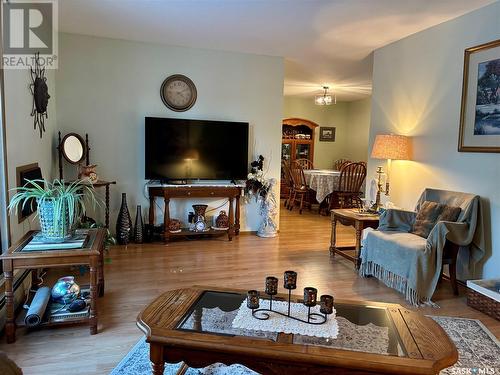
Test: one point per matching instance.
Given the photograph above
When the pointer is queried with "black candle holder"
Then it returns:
(290, 282)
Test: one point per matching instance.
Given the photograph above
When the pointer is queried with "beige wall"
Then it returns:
(107, 87)
(351, 119)
(24, 145)
(417, 85)
(357, 129)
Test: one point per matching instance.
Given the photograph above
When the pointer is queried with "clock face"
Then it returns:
(178, 93)
(200, 226)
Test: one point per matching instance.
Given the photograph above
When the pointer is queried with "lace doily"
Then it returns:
(217, 321)
(279, 323)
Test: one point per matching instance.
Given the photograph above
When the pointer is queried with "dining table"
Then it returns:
(322, 181)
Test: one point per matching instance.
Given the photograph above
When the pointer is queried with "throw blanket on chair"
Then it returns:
(412, 264)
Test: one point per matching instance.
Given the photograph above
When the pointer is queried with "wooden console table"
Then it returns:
(91, 254)
(231, 192)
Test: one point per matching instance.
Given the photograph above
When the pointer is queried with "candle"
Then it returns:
(253, 299)
(290, 280)
(271, 285)
(310, 296)
(326, 304)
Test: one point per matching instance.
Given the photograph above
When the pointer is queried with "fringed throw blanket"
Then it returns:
(412, 264)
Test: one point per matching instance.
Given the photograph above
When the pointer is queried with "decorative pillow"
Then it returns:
(427, 217)
(449, 213)
(431, 213)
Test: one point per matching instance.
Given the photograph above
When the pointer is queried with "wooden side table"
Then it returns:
(92, 254)
(360, 221)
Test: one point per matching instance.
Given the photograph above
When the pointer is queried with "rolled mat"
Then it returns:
(37, 308)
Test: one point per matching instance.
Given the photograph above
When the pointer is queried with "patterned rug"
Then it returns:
(479, 353)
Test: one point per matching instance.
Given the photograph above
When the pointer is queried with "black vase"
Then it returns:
(123, 223)
(139, 226)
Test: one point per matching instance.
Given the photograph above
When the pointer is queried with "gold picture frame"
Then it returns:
(480, 110)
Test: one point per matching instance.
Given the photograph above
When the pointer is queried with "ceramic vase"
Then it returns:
(65, 290)
(139, 226)
(123, 223)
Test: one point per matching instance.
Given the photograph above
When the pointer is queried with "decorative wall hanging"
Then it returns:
(178, 93)
(480, 113)
(40, 92)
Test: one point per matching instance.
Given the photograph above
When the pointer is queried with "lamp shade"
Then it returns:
(391, 146)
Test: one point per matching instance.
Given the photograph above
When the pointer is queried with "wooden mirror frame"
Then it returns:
(62, 153)
(82, 142)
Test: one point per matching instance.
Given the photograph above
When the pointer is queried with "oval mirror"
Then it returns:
(73, 148)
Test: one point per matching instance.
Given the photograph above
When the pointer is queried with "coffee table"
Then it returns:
(193, 325)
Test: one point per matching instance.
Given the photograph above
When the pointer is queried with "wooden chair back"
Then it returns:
(352, 176)
(298, 177)
(305, 163)
(287, 174)
(339, 163)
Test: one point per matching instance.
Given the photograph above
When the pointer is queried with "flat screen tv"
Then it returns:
(179, 149)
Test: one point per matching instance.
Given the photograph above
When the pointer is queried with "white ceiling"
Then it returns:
(323, 41)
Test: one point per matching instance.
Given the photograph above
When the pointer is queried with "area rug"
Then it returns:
(479, 353)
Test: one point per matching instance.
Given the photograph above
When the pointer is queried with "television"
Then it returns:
(180, 149)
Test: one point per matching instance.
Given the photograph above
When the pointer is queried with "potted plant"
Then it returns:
(60, 205)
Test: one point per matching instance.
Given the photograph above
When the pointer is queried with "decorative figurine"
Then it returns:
(174, 226)
(222, 221)
(88, 171)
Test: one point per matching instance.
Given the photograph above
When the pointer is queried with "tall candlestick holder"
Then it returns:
(290, 283)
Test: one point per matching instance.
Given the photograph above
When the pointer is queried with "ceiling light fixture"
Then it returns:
(325, 98)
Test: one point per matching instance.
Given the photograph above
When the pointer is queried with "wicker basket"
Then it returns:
(51, 232)
(483, 303)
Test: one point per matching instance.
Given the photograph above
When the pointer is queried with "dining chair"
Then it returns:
(287, 176)
(301, 191)
(339, 163)
(305, 163)
(349, 192)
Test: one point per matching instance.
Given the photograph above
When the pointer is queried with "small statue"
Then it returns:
(174, 226)
(222, 221)
(88, 172)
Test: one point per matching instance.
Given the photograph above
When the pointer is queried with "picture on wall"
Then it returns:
(327, 134)
(480, 113)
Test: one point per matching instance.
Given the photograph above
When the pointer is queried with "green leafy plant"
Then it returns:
(88, 223)
(64, 203)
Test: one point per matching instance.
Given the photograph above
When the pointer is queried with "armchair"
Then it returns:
(413, 264)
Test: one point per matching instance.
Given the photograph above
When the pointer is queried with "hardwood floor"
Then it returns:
(138, 273)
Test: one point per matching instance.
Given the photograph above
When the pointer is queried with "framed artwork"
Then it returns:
(480, 113)
(326, 134)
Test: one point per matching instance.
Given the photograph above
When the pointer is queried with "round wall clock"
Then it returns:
(178, 93)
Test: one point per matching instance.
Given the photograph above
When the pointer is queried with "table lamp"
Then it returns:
(389, 147)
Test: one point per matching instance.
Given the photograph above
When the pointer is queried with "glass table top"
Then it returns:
(361, 327)
(82, 239)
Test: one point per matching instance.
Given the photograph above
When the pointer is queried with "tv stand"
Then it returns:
(168, 192)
